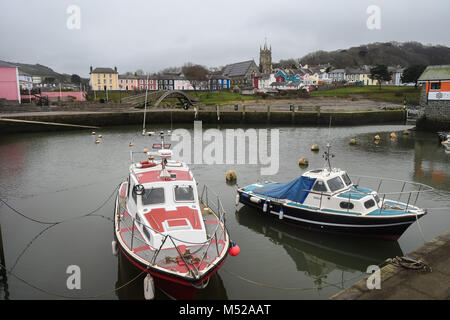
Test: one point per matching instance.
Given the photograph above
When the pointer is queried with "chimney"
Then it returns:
(115, 69)
(91, 69)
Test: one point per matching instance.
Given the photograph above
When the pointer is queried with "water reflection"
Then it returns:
(317, 254)
(126, 272)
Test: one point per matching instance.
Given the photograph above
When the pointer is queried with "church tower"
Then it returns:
(265, 59)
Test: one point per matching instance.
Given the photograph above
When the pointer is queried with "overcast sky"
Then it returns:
(152, 35)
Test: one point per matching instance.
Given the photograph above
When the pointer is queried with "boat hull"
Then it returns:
(175, 286)
(390, 228)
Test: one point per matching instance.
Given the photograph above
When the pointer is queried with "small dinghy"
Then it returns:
(327, 199)
(166, 229)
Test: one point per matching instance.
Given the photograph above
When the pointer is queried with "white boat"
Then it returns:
(163, 226)
(328, 200)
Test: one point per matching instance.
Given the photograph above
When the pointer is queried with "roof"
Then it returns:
(6, 64)
(103, 70)
(218, 76)
(238, 69)
(441, 72)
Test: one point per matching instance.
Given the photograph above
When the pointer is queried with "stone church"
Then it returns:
(265, 59)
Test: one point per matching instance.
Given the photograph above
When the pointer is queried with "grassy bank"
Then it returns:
(394, 94)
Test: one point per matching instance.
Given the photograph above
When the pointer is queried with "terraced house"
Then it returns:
(104, 79)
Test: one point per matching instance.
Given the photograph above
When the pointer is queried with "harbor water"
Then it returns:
(55, 176)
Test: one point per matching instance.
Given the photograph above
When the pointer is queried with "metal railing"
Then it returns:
(219, 233)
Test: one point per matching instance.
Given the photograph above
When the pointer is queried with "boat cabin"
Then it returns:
(162, 196)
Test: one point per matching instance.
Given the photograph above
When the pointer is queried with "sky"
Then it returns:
(152, 35)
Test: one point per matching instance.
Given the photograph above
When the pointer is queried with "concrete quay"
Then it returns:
(399, 283)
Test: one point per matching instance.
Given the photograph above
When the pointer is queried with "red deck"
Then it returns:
(157, 216)
(153, 176)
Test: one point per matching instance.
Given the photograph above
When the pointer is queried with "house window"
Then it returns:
(436, 86)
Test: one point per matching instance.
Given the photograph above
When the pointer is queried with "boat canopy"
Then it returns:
(297, 190)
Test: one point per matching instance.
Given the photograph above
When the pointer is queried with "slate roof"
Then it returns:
(441, 72)
(103, 70)
(238, 69)
(6, 64)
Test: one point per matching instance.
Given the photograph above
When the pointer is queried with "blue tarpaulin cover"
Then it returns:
(297, 190)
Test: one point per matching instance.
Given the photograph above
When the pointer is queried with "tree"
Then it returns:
(75, 79)
(412, 73)
(196, 74)
(380, 73)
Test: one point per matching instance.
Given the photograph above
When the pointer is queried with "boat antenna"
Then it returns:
(327, 154)
(145, 105)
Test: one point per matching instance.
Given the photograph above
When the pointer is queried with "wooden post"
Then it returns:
(218, 112)
(243, 112)
(293, 114)
(268, 112)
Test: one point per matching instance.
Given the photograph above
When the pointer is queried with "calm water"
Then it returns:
(55, 176)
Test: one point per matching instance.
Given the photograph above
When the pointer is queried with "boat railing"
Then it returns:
(406, 191)
(209, 199)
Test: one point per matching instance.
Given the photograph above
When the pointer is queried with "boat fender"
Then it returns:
(265, 206)
(255, 200)
(280, 216)
(114, 248)
(234, 250)
(237, 199)
(149, 287)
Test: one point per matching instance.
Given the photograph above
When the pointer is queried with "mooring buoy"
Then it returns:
(352, 141)
(231, 175)
(314, 147)
(303, 162)
(393, 135)
(377, 137)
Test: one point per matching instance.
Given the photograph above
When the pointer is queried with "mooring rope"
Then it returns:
(65, 220)
(59, 295)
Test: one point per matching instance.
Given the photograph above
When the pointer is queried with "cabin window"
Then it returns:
(184, 193)
(435, 86)
(320, 186)
(369, 204)
(346, 179)
(153, 196)
(346, 205)
(335, 184)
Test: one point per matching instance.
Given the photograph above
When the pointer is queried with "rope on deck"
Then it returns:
(409, 263)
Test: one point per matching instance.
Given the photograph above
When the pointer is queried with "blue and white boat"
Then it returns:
(328, 200)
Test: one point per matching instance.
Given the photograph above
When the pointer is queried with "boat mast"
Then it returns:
(328, 155)
(145, 105)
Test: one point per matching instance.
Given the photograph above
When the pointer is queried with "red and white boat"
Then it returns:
(164, 227)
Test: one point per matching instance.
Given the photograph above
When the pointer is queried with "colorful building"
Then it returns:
(9, 82)
(435, 97)
(218, 82)
(104, 79)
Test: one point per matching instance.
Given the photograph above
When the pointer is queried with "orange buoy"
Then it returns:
(377, 137)
(314, 147)
(393, 135)
(145, 149)
(303, 162)
(234, 250)
(131, 144)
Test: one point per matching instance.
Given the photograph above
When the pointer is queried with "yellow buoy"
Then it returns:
(93, 133)
(314, 147)
(100, 136)
(145, 149)
(377, 137)
(131, 144)
(303, 162)
(352, 141)
(393, 135)
(97, 141)
(231, 175)
(406, 132)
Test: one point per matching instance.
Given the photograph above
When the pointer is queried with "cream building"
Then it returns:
(104, 79)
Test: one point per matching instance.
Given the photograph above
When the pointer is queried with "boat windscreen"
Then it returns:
(346, 179)
(335, 184)
(184, 193)
(153, 196)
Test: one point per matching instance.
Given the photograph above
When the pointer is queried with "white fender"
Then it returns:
(255, 200)
(149, 287)
(265, 206)
(114, 248)
(280, 216)
(237, 199)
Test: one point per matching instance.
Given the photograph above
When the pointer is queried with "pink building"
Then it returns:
(63, 95)
(9, 82)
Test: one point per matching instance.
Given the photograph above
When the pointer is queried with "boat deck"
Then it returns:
(185, 259)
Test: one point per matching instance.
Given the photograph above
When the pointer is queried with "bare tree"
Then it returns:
(196, 74)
